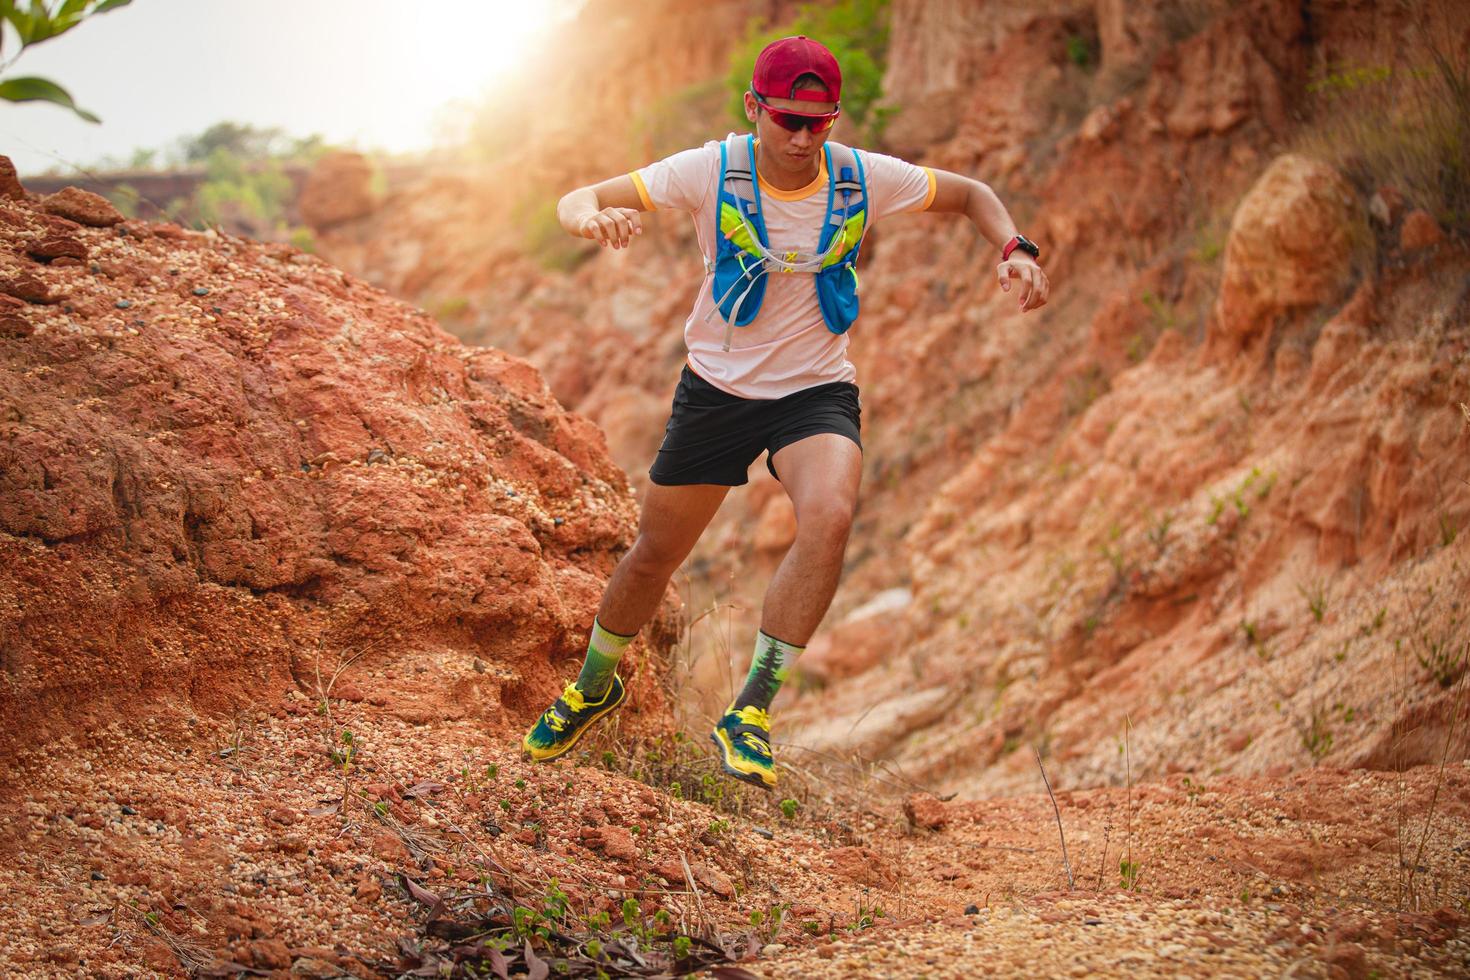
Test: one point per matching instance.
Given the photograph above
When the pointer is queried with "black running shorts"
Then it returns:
(714, 436)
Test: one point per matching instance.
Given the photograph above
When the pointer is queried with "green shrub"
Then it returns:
(1403, 125)
(258, 192)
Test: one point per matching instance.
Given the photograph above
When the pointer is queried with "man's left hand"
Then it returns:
(1033, 281)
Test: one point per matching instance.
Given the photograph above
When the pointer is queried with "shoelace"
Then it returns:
(574, 700)
(752, 715)
(573, 697)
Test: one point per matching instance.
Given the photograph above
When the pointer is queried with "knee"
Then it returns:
(827, 522)
(653, 557)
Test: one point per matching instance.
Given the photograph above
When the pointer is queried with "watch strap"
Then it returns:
(1014, 243)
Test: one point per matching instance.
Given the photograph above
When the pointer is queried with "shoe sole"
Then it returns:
(577, 737)
(753, 778)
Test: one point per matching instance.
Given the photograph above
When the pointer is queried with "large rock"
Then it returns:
(1290, 248)
(339, 188)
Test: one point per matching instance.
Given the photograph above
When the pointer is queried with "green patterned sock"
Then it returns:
(604, 651)
(768, 668)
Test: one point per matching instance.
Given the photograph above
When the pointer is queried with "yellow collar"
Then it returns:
(800, 193)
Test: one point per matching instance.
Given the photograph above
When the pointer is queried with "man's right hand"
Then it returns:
(612, 226)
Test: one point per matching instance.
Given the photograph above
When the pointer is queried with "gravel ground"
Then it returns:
(153, 846)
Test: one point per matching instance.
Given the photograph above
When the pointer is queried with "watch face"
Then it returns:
(1027, 245)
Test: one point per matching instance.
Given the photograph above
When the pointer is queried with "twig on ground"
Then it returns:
(1455, 711)
(704, 926)
(1131, 879)
(1057, 810)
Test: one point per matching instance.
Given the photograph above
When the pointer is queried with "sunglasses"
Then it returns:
(793, 121)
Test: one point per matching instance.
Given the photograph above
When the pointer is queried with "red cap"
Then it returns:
(782, 62)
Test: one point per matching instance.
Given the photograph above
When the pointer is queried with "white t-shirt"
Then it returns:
(787, 347)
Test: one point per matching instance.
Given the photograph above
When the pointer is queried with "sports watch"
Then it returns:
(1024, 244)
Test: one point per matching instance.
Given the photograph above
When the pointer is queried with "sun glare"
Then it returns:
(456, 57)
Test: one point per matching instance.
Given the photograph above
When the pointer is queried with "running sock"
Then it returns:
(768, 668)
(604, 650)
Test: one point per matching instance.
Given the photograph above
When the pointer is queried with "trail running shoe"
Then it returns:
(743, 736)
(556, 731)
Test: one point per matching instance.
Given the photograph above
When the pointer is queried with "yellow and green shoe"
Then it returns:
(558, 729)
(743, 736)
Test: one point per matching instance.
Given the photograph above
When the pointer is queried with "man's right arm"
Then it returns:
(607, 212)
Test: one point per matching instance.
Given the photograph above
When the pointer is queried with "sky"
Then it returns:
(373, 73)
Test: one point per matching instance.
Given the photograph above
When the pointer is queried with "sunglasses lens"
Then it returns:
(793, 121)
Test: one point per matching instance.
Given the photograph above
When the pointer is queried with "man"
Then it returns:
(767, 367)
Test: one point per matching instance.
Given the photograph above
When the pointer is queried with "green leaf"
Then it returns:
(31, 89)
(19, 19)
(107, 5)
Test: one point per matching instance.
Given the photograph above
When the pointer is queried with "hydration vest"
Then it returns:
(743, 256)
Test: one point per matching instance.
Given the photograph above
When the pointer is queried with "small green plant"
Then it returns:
(344, 753)
(505, 805)
(718, 827)
(1315, 592)
(1442, 657)
(1158, 532)
(491, 771)
(768, 923)
(1317, 736)
(866, 914)
(1163, 312)
(520, 784)
(1375, 624)
(788, 808)
(682, 945)
(1079, 52)
(554, 902)
(1128, 874)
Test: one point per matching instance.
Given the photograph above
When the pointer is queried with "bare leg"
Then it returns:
(672, 520)
(821, 474)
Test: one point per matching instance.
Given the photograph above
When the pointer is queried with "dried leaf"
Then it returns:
(96, 919)
(536, 967)
(322, 811)
(498, 965)
(423, 789)
(732, 973)
(419, 891)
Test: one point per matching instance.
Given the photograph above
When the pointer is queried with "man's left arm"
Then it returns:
(957, 194)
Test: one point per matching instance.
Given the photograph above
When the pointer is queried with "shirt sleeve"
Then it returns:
(896, 186)
(682, 181)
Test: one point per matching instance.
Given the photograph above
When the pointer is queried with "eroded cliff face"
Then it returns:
(227, 466)
(1214, 490)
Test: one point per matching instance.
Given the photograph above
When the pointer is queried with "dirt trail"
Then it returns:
(143, 848)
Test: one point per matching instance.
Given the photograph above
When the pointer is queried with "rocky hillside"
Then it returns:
(232, 462)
